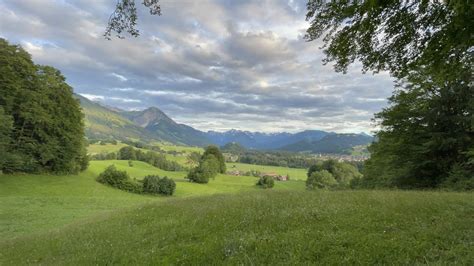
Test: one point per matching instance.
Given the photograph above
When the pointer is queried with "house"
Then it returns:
(234, 172)
(276, 176)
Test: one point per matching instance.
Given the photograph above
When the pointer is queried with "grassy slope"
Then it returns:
(35, 203)
(107, 148)
(295, 173)
(267, 227)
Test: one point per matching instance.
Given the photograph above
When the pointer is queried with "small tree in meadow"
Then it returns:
(321, 179)
(112, 176)
(266, 182)
(167, 186)
(151, 184)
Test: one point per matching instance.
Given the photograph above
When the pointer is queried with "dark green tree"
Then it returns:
(127, 153)
(427, 131)
(47, 132)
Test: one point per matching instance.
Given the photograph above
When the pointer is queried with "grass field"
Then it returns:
(107, 148)
(35, 203)
(73, 220)
(295, 173)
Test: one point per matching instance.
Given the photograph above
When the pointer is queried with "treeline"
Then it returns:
(129, 153)
(284, 159)
(41, 124)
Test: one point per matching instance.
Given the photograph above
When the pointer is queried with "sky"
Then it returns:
(211, 64)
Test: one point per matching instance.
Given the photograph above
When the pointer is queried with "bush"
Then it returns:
(167, 186)
(321, 179)
(130, 163)
(266, 182)
(118, 179)
(198, 175)
(112, 176)
(151, 184)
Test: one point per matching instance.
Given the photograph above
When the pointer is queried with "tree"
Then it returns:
(47, 129)
(127, 153)
(266, 182)
(6, 127)
(124, 17)
(321, 179)
(426, 132)
(214, 150)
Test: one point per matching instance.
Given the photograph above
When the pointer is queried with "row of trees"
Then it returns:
(41, 124)
(211, 163)
(129, 153)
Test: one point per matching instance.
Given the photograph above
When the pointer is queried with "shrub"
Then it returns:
(112, 176)
(198, 175)
(151, 184)
(266, 182)
(130, 163)
(321, 179)
(118, 179)
(167, 186)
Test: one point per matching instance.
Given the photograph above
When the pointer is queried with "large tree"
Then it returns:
(44, 128)
(124, 18)
(427, 133)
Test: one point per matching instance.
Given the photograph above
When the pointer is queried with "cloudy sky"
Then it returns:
(211, 64)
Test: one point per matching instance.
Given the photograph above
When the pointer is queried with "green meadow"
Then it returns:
(38, 203)
(57, 220)
(49, 219)
(294, 173)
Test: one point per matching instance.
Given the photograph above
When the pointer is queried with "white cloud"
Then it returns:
(120, 77)
(92, 97)
(243, 65)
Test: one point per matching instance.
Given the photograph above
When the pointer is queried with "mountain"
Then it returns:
(258, 140)
(233, 147)
(159, 124)
(331, 143)
(103, 123)
(152, 124)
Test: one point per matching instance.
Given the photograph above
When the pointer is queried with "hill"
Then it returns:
(332, 143)
(103, 123)
(158, 123)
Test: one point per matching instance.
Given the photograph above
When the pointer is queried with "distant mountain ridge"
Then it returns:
(152, 124)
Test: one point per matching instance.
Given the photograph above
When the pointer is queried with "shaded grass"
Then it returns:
(267, 227)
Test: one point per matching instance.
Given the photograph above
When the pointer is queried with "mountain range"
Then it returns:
(152, 124)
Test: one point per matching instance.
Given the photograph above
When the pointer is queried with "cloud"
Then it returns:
(92, 97)
(244, 65)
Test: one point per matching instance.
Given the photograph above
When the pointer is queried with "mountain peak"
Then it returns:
(150, 116)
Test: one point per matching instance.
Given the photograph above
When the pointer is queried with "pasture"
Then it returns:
(295, 173)
(49, 219)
